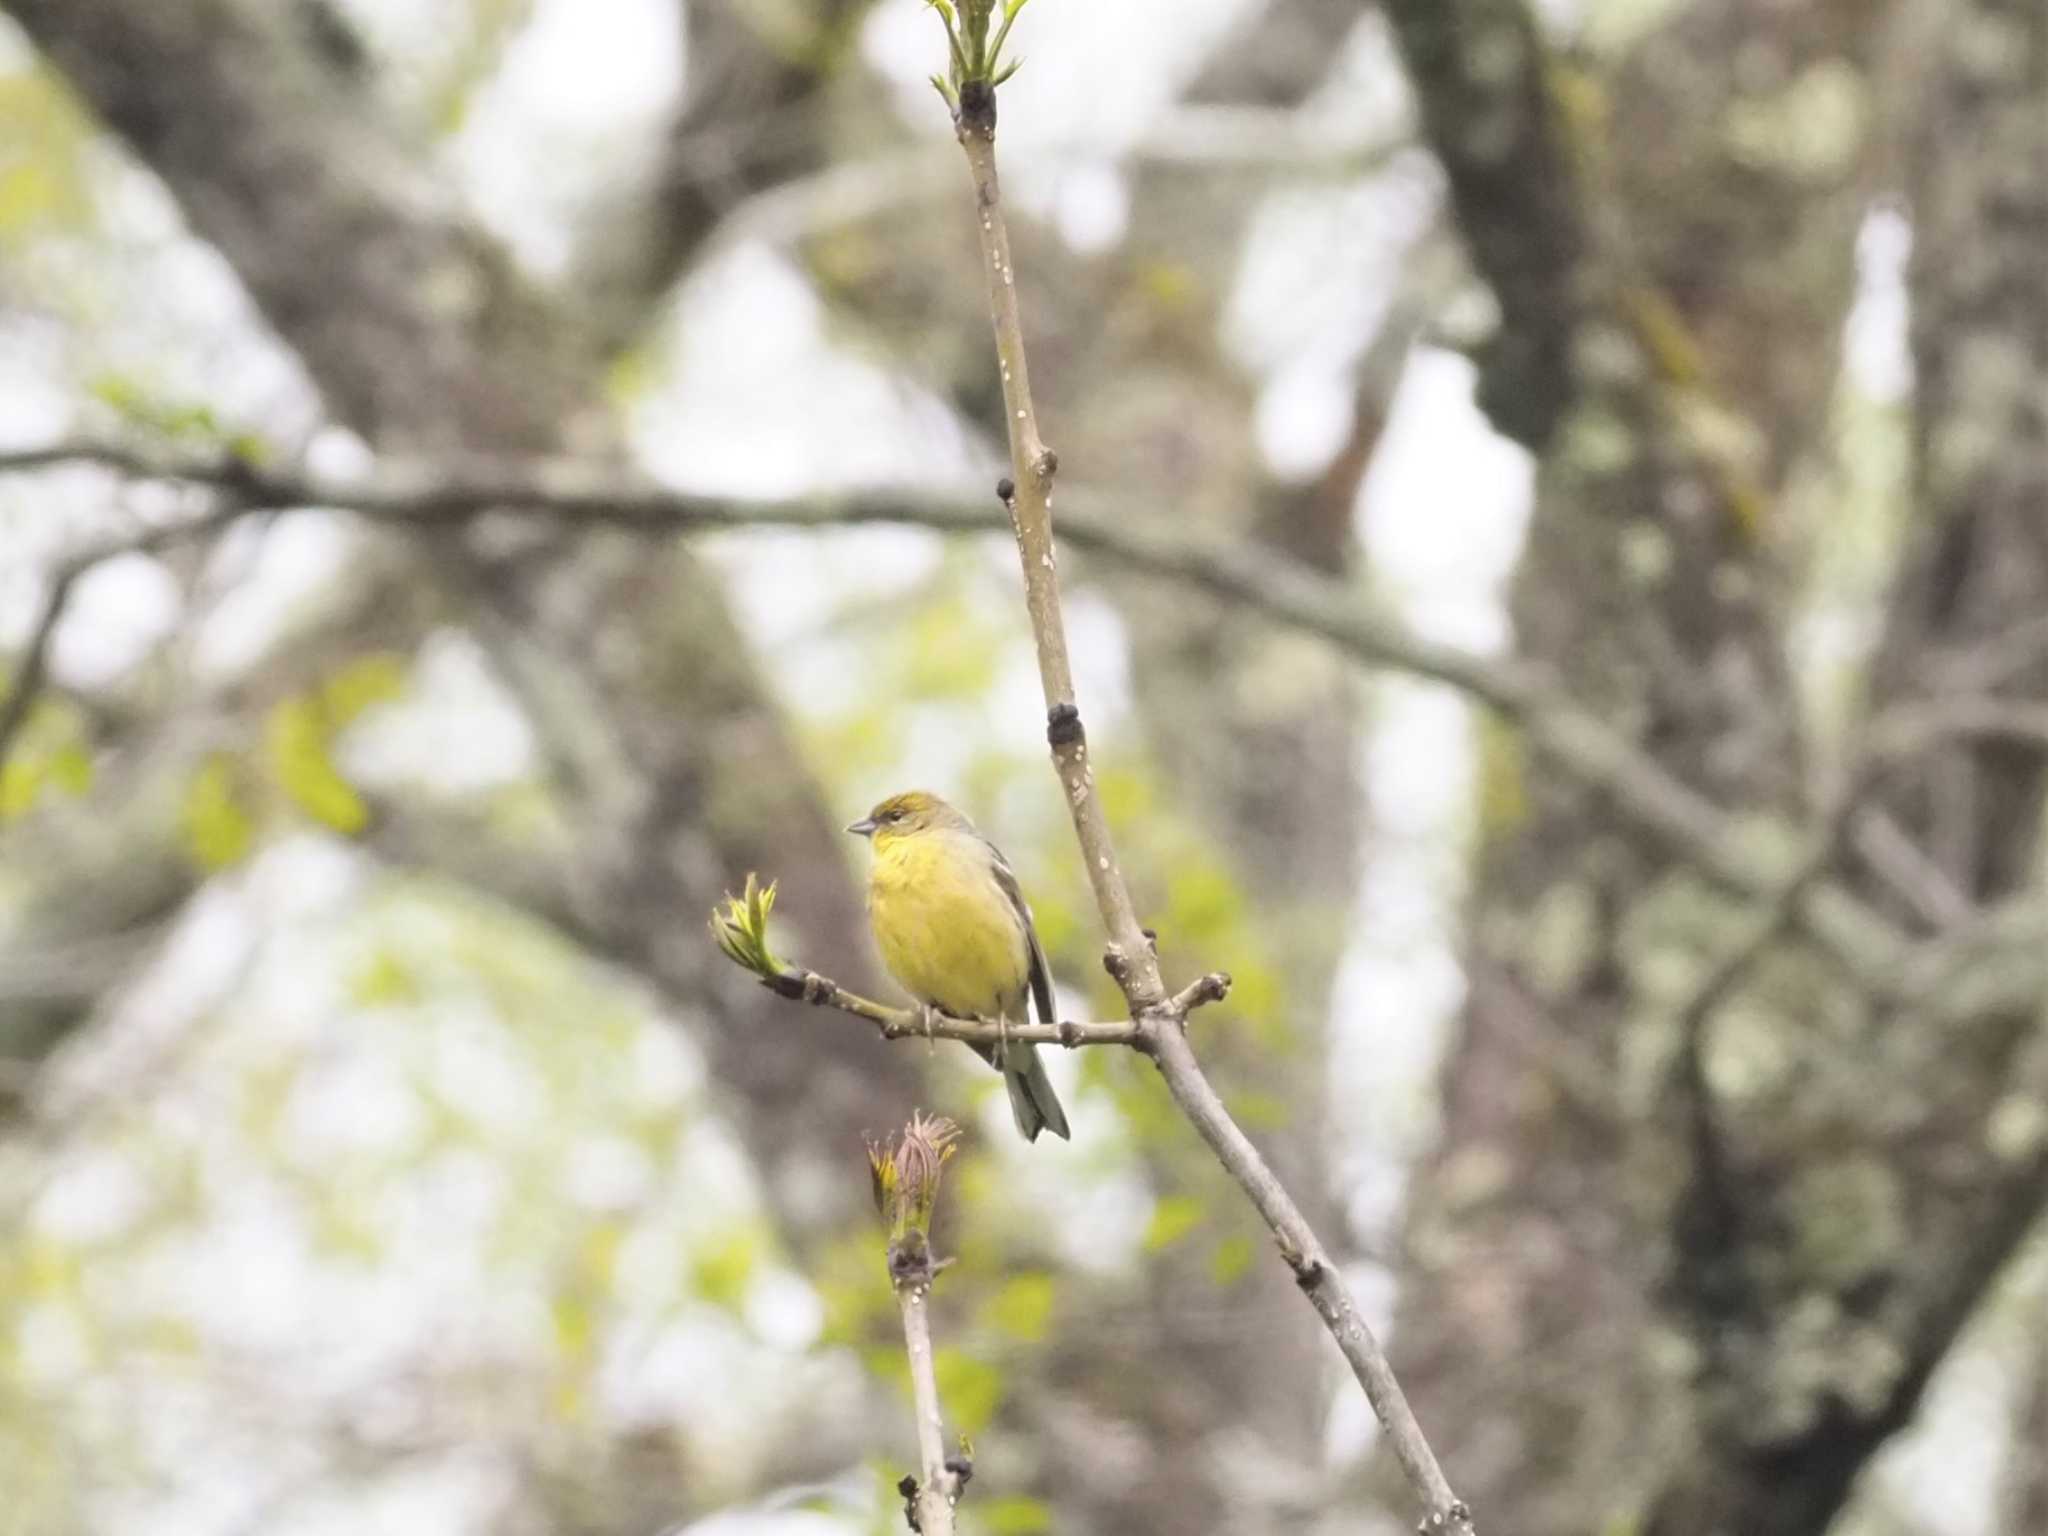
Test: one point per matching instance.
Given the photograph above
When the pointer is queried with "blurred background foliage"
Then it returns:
(382, 1145)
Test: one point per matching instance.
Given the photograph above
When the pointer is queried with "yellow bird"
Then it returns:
(954, 930)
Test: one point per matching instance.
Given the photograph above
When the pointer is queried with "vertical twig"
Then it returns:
(937, 1490)
(1028, 496)
(35, 661)
(907, 1171)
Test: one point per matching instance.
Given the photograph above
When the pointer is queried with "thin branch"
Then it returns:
(1903, 734)
(740, 929)
(908, 1023)
(433, 493)
(1712, 1210)
(33, 672)
(1489, 109)
(1130, 958)
(35, 661)
(933, 1498)
(908, 1171)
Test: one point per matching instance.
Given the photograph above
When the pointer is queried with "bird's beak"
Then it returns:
(865, 827)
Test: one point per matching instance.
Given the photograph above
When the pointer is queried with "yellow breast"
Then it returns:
(946, 930)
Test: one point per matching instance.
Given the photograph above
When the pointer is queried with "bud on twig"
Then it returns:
(977, 66)
(906, 1172)
(741, 929)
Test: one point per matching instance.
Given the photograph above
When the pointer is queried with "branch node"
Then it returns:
(977, 108)
(1212, 988)
(241, 477)
(1048, 464)
(1456, 1513)
(790, 985)
(817, 991)
(1308, 1271)
(1006, 490)
(1063, 726)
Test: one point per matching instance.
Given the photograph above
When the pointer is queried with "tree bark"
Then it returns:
(1682, 1248)
(1952, 1197)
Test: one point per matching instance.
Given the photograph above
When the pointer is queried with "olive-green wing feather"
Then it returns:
(1032, 1100)
(1041, 973)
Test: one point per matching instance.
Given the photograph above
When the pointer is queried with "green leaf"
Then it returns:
(385, 982)
(21, 780)
(1173, 1218)
(1232, 1259)
(1023, 1307)
(741, 927)
(970, 1389)
(885, 1362)
(296, 738)
(723, 1272)
(70, 768)
(1014, 1515)
(574, 1326)
(218, 832)
(364, 682)
(141, 406)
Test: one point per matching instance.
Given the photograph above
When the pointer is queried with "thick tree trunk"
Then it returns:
(1702, 1305)
(1945, 1197)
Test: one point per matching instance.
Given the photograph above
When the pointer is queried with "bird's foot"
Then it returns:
(1002, 1024)
(928, 1020)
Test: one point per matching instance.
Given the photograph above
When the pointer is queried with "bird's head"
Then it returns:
(907, 815)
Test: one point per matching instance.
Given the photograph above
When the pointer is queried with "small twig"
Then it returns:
(35, 661)
(430, 494)
(740, 928)
(1212, 988)
(906, 1023)
(907, 1172)
(933, 1499)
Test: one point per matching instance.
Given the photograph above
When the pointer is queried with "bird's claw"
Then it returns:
(928, 1020)
(1002, 1027)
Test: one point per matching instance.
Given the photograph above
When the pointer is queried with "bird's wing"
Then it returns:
(1041, 973)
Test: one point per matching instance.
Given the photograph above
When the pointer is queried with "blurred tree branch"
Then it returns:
(740, 928)
(1975, 567)
(437, 493)
(755, 116)
(1489, 111)
(422, 335)
(1658, 577)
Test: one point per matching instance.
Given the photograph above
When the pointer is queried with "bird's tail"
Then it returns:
(1032, 1100)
